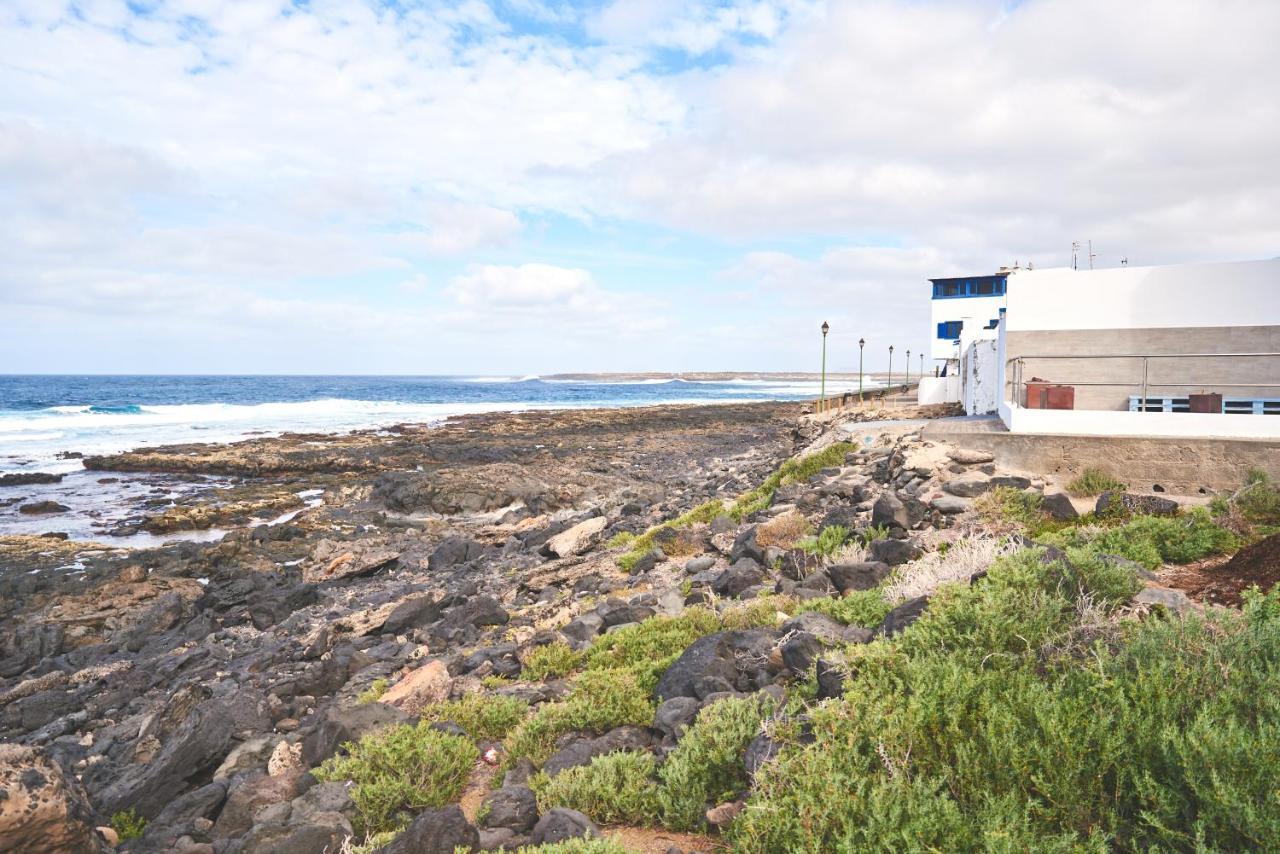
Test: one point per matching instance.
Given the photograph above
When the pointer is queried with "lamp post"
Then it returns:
(907, 381)
(862, 342)
(889, 385)
(825, 330)
(922, 365)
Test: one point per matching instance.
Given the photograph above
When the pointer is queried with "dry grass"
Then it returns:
(783, 531)
(854, 551)
(959, 562)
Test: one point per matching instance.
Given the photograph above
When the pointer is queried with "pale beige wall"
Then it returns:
(1164, 376)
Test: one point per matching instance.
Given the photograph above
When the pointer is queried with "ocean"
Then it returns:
(44, 417)
(48, 422)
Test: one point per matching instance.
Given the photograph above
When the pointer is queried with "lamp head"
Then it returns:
(825, 328)
(862, 342)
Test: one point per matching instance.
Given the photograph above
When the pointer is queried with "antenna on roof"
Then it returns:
(1075, 247)
(1091, 255)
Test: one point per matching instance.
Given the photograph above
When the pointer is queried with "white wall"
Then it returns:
(938, 390)
(976, 312)
(1078, 422)
(980, 371)
(1243, 293)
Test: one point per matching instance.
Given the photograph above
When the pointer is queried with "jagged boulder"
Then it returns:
(720, 662)
(576, 540)
(560, 824)
(435, 831)
(890, 512)
(1113, 503)
(42, 809)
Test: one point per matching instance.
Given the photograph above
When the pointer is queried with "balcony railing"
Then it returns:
(1016, 373)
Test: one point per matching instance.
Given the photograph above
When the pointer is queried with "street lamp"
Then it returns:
(922, 365)
(907, 381)
(862, 342)
(825, 330)
(890, 383)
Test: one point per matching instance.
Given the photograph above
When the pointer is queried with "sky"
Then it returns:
(519, 187)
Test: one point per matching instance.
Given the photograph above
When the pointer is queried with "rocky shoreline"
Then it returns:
(193, 697)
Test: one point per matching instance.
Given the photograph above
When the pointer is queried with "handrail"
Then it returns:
(1017, 363)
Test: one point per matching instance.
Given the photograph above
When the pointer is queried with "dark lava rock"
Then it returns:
(196, 747)
(453, 551)
(830, 680)
(701, 563)
(745, 573)
(800, 651)
(858, 576)
(903, 616)
(824, 628)
(889, 512)
(28, 478)
(437, 831)
(560, 824)
(894, 552)
(512, 807)
(1059, 506)
(759, 751)
(42, 507)
(583, 628)
(627, 614)
(412, 614)
(1014, 481)
(745, 545)
(347, 723)
(675, 715)
(711, 664)
(178, 818)
(581, 751)
(1119, 503)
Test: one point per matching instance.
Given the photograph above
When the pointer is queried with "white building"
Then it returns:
(965, 304)
(1186, 350)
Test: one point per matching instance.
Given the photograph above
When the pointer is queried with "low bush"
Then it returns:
(706, 767)
(373, 693)
(643, 544)
(128, 824)
(794, 470)
(581, 845)
(1094, 481)
(763, 611)
(1005, 503)
(1019, 714)
(1153, 540)
(616, 788)
(782, 531)
(399, 770)
(866, 608)
(646, 649)
(1254, 509)
(599, 701)
(484, 717)
(828, 542)
(550, 661)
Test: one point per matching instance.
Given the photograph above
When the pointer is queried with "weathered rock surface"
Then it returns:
(41, 809)
(577, 539)
(418, 689)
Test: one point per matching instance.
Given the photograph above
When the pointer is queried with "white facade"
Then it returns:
(1201, 327)
(1241, 293)
(967, 311)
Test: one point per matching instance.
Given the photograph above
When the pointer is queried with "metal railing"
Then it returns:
(1015, 370)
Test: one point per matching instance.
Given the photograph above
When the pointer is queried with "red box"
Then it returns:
(1042, 395)
(1205, 402)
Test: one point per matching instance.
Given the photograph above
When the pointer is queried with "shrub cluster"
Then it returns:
(1152, 540)
(794, 470)
(646, 649)
(1016, 715)
(866, 608)
(484, 717)
(643, 544)
(1094, 481)
(398, 770)
(550, 661)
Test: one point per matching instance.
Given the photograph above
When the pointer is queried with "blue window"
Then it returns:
(986, 286)
(949, 330)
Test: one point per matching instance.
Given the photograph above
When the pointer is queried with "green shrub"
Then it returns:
(1009, 504)
(373, 693)
(972, 730)
(706, 767)
(866, 608)
(794, 470)
(600, 701)
(581, 845)
(1153, 540)
(872, 533)
(759, 612)
(128, 824)
(1257, 504)
(484, 717)
(643, 544)
(1094, 481)
(398, 770)
(829, 541)
(550, 661)
(646, 649)
(616, 788)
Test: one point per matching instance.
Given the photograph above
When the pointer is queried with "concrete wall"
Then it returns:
(980, 369)
(1165, 377)
(1179, 466)
(1064, 422)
